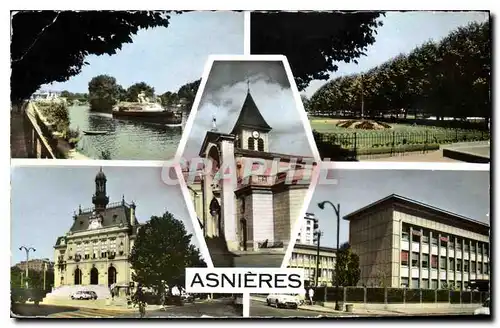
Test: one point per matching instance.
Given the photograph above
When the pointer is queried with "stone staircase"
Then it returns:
(65, 292)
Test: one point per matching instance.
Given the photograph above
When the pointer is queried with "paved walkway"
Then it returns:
(378, 312)
(17, 138)
(431, 156)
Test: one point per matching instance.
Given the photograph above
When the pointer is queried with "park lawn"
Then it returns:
(400, 134)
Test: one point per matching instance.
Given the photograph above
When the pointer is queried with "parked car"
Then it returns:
(93, 294)
(484, 309)
(283, 300)
(83, 295)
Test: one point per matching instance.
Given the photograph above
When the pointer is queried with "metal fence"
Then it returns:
(378, 295)
(353, 145)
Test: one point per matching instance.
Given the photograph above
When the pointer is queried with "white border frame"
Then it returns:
(303, 118)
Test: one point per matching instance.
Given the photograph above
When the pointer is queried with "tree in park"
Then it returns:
(51, 46)
(347, 272)
(134, 90)
(313, 41)
(162, 251)
(450, 78)
(103, 93)
(169, 98)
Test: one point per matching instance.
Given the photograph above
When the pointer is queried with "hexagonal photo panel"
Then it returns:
(248, 158)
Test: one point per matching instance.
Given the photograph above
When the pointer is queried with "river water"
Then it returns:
(126, 140)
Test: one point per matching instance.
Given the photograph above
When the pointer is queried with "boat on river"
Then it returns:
(145, 111)
(93, 133)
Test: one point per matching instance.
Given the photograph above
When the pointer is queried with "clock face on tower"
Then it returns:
(255, 134)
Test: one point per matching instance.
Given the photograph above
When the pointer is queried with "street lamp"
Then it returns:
(27, 250)
(337, 213)
(317, 240)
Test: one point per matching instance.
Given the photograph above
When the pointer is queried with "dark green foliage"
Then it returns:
(103, 93)
(347, 270)
(314, 41)
(188, 92)
(51, 46)
(35, 278)
(446, 78)
(134, 90)
(162, 251)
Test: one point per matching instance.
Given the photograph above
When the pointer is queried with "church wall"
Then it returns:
(245, 212)
(228, 200)
(281, 212)
(263, 219)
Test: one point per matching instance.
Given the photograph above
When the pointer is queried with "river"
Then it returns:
(126, 140)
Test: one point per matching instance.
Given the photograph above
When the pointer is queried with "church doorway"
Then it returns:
(111, 275)
(243, 234)
(94, 276)
(78, 276)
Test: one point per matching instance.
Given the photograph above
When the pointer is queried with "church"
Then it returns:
(95, 250)
(247, 220)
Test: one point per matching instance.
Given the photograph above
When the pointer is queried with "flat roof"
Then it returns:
(394, 198)
(314, 247)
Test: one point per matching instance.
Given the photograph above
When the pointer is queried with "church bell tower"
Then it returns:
(100, 199)
(251, 129)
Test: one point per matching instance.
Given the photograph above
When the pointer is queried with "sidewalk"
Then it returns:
(117, 307)
(378, 312)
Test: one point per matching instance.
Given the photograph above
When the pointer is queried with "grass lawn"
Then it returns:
(398, 135)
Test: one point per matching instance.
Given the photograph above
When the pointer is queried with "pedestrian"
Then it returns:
(311, 295)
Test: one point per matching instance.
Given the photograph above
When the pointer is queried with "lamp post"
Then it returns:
(318, 234)
(337, 213)
(27, 250)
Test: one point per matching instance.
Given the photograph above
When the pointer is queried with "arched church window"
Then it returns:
(260, 144)
(251, 143)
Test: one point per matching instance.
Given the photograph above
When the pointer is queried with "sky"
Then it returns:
(401, 33)
(223, 97)
(43, 200)
(461, 192)
(166, 58)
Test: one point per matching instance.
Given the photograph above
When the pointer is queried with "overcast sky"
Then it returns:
(225, 93)
(462, 192)
(44, 199)
(401, 33)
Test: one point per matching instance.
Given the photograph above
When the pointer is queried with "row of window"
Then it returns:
(324, 260)
(459, 264)
(449, 241)
(94, 256)
(432, 284)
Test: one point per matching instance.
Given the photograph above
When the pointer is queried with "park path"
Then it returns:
(432, 156)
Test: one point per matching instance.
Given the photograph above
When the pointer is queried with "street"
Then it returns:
(261, 309)
(214, 308)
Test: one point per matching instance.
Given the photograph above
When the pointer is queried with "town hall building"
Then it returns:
(95, 250)
(247, 219)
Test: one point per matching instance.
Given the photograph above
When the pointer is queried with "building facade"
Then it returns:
(307, 230)
(95, 250)
(36, 265)
(253, 209)
(305, 257)
(404, 243)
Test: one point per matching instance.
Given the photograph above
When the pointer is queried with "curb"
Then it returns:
(311, 310)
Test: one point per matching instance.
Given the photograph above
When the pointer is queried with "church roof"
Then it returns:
(250, 117)
(211, 137)
(114, 215)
